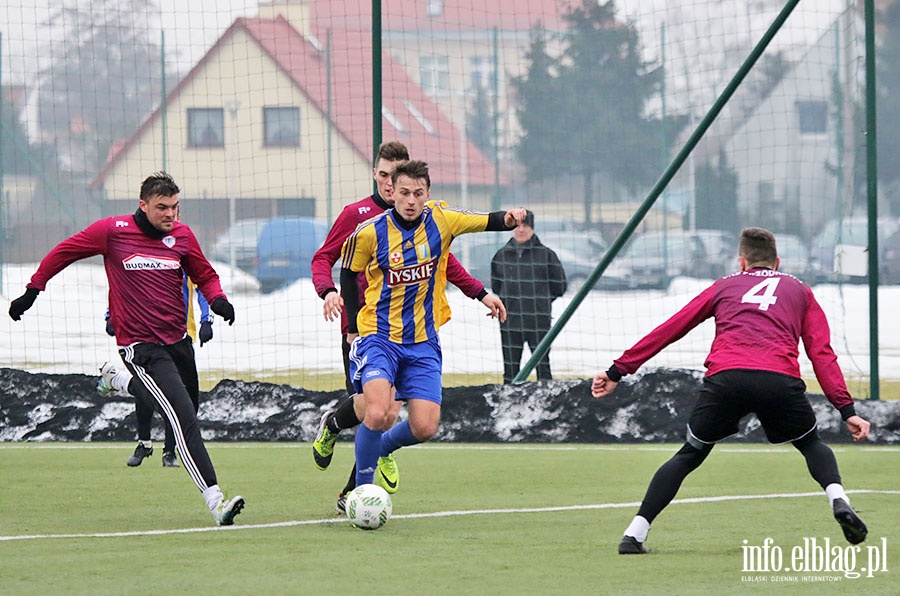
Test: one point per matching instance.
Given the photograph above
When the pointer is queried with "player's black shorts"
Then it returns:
(779, 402)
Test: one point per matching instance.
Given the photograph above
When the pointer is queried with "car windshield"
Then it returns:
(587, 245)
(651, 245)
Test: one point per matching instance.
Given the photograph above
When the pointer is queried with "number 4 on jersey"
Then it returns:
(762, 293)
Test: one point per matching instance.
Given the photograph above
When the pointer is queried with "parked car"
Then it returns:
(285, 249)
(546, 225)
(475, 252)
(848, 238)
(651, 259)
(589, 245)
(243, 236)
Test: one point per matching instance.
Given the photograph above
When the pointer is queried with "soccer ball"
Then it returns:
(369, 506)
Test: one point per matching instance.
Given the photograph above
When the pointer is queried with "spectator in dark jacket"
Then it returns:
(527, 276)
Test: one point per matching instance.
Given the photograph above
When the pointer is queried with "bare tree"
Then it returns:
(102, 80)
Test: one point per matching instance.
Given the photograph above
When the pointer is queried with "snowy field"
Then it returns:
(285, 330)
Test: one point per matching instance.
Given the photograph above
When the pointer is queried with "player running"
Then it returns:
(761, 314)
(115, 381)
(146, 256)
(346, 415)
(403, 253)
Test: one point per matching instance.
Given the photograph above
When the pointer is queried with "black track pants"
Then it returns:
(168, 373)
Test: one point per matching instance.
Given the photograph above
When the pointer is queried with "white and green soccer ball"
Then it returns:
(369, 506)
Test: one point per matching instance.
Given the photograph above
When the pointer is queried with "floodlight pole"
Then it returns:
(329, 193)
(2, 222)
(232, 107)
(376, 82)
(872, 193)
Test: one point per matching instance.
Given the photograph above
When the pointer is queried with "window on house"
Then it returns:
(434, 75)
(281, 127)
(206, 127)
(480, 73)
(813, 117)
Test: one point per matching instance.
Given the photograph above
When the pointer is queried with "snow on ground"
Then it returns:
(285, 330)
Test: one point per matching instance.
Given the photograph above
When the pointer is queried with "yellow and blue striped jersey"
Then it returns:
(406, 271)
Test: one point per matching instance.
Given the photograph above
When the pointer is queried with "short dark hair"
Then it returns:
(758, 247)
(158, 184)
(415, 169)
(392, 151)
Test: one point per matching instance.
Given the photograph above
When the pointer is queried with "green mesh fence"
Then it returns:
(263, 111)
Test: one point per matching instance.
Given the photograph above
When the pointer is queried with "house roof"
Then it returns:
(409, 115)
(454, 15)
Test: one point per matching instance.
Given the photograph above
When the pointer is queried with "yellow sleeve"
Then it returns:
(358, 248)
(463, 222)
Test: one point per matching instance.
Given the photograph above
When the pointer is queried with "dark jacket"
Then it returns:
(527, 277)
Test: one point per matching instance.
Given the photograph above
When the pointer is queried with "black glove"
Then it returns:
(223, 308)
(206, 333)
(23, 303)
(109, 329)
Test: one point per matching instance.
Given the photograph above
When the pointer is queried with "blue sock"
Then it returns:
(399, 436)
(368, 449)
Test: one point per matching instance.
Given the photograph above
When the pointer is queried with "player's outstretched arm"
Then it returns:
(18, 306)
(858, 427)
(602, 385)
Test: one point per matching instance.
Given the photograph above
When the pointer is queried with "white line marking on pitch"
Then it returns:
(333, 520)
(438, 446)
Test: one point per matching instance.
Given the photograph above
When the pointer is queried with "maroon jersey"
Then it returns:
(761, 315)
(145, 276)
(330, 252)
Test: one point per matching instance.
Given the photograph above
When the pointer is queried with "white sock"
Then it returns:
(213, 497)
(638, 528)
(836, 491)
(148, 443)
(120, 381)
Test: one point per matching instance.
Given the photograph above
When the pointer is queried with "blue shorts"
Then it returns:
(413, 369)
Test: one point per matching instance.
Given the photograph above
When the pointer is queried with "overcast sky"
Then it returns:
(190, 30)
(692, 28)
